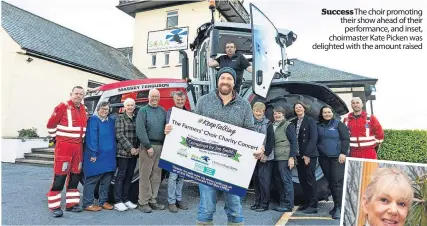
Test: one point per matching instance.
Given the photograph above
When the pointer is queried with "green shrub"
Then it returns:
(404, 146)
(28, 133)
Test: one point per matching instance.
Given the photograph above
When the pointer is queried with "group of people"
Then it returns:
(111, 144)
(120, 143)
(304, 141)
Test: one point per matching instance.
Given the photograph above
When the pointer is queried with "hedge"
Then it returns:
(404, 146)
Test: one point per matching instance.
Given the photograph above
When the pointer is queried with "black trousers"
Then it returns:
(262, 182)
(307, 178)
(334, 173)
(123, 182)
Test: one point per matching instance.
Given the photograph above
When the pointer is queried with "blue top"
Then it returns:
(100, 143)
(333, 139)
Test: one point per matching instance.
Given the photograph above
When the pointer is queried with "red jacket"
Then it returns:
(365, 131)
(68, 123)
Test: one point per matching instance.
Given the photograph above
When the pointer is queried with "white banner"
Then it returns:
(210, 152)
(167, 40)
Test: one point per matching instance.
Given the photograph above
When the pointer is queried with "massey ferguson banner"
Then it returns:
(210, 152)
(167, 40)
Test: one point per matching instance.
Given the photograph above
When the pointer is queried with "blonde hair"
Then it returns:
(387, 178)
(259, 106)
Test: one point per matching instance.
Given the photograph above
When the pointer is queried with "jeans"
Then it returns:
(262, 182)
(307, 178)
(207, 206)
(283, 178)
(126, 167)
(89, 188)
(175, 184)
(334, 173)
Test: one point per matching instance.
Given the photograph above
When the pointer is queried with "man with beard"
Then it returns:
(234, 60)
(366, 133)
(224, 105)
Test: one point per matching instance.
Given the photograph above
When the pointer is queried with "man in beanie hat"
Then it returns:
(225, 105)
(234, 60)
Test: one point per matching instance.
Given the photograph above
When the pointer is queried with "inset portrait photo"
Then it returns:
(384, 193)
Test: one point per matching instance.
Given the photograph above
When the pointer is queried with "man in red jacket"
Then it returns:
(68, 125)
(366, 133)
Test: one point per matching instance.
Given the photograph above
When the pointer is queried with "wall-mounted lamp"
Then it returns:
(29, 59)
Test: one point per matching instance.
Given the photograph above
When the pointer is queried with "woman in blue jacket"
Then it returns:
(99, 161)
(333, 145)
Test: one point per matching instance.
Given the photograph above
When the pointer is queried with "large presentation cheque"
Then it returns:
(210, 152)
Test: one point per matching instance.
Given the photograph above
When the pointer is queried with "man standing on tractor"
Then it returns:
(68, 125)
(225, 105)
(234, 60)
(366, 133)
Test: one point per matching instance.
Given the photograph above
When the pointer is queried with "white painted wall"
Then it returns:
(191, 15)
(30, 91)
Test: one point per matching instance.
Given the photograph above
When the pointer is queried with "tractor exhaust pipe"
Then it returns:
(185, 74)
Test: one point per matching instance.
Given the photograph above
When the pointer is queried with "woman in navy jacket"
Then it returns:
(306, 128)
(333, 145)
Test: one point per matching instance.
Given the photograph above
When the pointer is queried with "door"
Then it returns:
(268, 52)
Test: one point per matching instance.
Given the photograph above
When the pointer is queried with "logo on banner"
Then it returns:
(202, 159)
(176, 35)
(204, 169)
(223, 150)
(182, 152)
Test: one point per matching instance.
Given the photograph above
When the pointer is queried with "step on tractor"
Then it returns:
(265, 47)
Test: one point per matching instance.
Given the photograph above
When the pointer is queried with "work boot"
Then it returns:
(57, 212)
(181, 205)
(156, 206)
(145, 208)
(302, 208)
(201, 223)
(261, 208)
(173, 208)
(337, 214)
(75, 209)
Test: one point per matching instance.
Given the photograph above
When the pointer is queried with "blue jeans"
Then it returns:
(89, 188)
(283, 177)
(207, 206)
(175, 184)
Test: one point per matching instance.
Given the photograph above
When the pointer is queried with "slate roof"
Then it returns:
(309, 72)
(127, 51)
(45, 39)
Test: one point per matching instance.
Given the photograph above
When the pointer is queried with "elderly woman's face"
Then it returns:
(130, 107)
(278, 116)
(103, 111)
(387, 207)
(258, 114)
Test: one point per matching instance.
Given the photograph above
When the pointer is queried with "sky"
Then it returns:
(401, 88)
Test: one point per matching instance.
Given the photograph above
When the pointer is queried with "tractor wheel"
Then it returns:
(279, 97)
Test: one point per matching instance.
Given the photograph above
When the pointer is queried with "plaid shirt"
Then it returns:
(126, 135)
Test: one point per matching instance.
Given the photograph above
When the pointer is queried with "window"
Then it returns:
(93, 84)
(172, 19)
(166, 58)
(153, 60)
